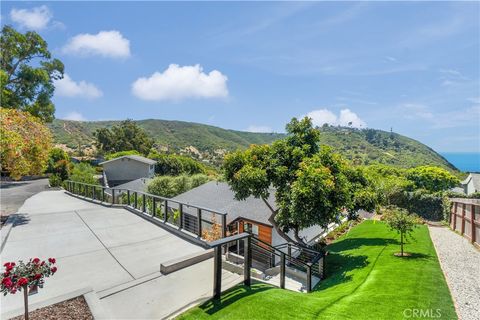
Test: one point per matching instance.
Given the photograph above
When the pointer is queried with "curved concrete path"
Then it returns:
(104, 248)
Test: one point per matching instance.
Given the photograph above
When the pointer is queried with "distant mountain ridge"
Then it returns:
(360, 146)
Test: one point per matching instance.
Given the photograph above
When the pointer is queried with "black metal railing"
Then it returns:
(199, 221)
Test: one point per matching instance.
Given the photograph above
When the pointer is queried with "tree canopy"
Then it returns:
(124, 137)
(25, 143)
(312, 185)
(27, 73)
(432, 178)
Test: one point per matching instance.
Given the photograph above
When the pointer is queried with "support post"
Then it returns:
(455, 217)
(472, 223)
(135, 199)
(462, 231)
(165, 217)
(154, 209)
(93, 192)
(247, 261)
(113, 196)
(309, 277)
(199, 222)
(217, 273)
(144, 202)
(282, 270)
(224, 225)
(180, 216)
(103, 194)
(128, 197)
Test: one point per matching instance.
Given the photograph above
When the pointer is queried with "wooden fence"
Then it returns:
(465, 218)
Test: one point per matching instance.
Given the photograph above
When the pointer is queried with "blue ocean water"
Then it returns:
(465, 161)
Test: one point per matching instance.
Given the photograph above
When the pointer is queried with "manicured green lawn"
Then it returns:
(364, 281)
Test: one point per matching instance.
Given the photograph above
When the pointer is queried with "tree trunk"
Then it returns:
(25, 300)
(401, 244)
(282, 234)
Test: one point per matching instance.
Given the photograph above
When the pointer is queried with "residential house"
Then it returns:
(124, 169)
(470, 185)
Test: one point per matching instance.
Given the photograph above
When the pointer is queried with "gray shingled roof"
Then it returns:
(476, 180)
(218, 196)
(136, 185)
(133, 157)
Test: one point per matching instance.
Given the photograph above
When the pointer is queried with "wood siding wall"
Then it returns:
(264, 232)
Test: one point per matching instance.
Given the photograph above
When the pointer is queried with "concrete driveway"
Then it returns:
(95, 246)
(14, 193)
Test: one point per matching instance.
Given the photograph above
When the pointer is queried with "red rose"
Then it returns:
(43, 262)
(52, 260)
(6, 274)
(36, 261)
(22, 281)
(7, 282)
(37, 276)
(54, 269)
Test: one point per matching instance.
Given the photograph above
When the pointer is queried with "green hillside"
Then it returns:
(361, 146)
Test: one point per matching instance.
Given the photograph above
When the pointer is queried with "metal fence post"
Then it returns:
(144, 202)
(217, 273)
(180, 215)
(103, 194)
(199, 221)
(282, 270)
(113, 196)
(309, 277)
(93, 193)
(247, 261)
(135, 199)
(154, 209)
(165, 217)
(128, 197)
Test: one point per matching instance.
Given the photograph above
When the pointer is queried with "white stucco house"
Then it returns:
(127, 168)
(471, 184)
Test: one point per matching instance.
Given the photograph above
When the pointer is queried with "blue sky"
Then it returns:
(252, 66)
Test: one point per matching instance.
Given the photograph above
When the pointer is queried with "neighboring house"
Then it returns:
(248, 215)
(470, 185)
(139, 184)
(127, 168)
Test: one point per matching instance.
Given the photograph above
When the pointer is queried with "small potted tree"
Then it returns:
(26, 277)
(402, 222)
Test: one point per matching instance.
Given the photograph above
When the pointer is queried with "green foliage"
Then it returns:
(55, 180)
(432, 178)
(171, 186)
(123, 137)
(119, 154)
(55, 155)
(430, 206)
(402, 222)
(451, 194)
(25, 143)
(174, 165)
(83, 172)
(312, 186)
(27, 73)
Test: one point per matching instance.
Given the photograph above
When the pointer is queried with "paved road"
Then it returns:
(14, 194)
(105, 248)
(460, 263)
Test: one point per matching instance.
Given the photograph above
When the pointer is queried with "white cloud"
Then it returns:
(177, 83)
(74, 116)
(441, 119)
(34, 19)
(255, 128)
(346, 118)
(67, 87)
(110, 44)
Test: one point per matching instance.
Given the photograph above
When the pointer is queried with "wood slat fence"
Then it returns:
(465, 218)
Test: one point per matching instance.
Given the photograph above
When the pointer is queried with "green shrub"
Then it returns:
(170, 186)
(174, 165)
(55, 155)
(55, 180)
(85, 173)
(430, 206)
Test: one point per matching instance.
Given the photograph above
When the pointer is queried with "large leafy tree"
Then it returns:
(432, 178)
(123, 137)
(25, 143)
(312, 185)
(27, 73)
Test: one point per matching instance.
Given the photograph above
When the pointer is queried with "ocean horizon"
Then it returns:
(464, 161)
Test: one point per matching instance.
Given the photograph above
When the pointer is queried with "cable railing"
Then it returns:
(200, 222)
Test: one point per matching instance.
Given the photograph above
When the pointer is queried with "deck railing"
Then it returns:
(190, 219)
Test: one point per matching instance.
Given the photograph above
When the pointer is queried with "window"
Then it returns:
(249, 227)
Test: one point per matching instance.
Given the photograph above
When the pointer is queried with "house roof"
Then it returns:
(218, 196)
(132, 157)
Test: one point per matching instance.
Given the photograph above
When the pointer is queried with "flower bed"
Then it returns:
(73, 309)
